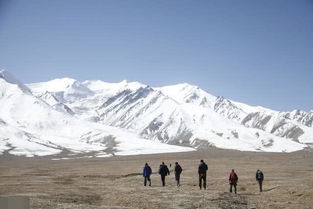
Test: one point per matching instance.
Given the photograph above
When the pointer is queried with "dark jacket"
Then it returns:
(178, 169)
(163, 171)
(202, 169)
(259, 176)
(147, 171)
(233, 178)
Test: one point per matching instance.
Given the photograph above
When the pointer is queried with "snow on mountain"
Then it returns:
(4, 75)
(156, 116)
(186, 93)
(30, 126)
(303, 117)
(145, 111)
(83, 99)
(111, 89)
(65, 89)
(186, 115)
(284, 124)
(124, 117)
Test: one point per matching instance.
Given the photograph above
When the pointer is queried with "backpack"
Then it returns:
(178, 169)
(233, 177)
(260, 176)
(163, 170)
(160, 169)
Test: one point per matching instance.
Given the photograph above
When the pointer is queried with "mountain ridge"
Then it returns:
(104, 115)
(30, 126)
(164, 114)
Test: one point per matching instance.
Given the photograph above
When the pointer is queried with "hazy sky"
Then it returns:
(256, 52)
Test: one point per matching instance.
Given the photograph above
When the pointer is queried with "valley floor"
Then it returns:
(116, 182)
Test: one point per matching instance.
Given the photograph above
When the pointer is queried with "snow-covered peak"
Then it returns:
(186, 93)
(8, 78)
(112, 88)
(250, 109)
(56, 85)
(66, 89)
(73, 115)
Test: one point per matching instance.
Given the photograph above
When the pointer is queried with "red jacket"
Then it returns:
(233, 178)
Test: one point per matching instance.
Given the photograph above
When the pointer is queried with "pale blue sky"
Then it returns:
(256, 52)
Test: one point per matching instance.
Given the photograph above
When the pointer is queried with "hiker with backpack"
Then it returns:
(163, 171)
(202, 170)
(233, 179)
(259, 176)
(178, 171)
(147, 171)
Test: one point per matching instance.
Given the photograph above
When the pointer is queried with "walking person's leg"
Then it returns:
(204, 182)
(149, 179)
(260, 184)
(200, 181)
(163, 180)
(235, 186)
(230, 188)
(145, 181)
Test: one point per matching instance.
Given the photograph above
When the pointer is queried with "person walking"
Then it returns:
(147, 171)
(259, 176)
(163, 171)
(178, 171)
(233, 179)
(202, 170)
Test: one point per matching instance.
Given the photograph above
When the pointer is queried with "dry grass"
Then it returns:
(116, 182)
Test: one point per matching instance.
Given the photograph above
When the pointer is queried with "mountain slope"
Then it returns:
(295, 125)
(186, 115)
(31, 126)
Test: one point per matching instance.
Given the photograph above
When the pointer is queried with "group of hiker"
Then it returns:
(202, 171)
(163, 171)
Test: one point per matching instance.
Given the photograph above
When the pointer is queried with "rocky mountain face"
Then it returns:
(68, 116)
(45, 124)
(182, 114)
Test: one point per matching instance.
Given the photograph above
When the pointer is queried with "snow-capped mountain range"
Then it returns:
(79, 118)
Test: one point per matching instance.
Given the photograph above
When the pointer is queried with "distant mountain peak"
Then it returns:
(180, 114)
(113, 88)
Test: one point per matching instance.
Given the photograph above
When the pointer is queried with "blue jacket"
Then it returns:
(146, 171)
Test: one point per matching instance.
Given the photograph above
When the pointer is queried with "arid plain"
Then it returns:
(116, 182)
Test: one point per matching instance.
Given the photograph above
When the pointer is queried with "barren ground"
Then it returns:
(116, 182)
